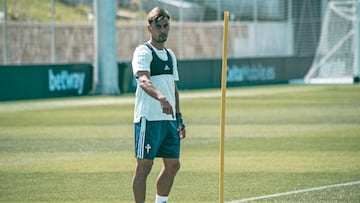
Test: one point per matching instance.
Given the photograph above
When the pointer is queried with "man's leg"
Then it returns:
(167, 175)
(142, 171)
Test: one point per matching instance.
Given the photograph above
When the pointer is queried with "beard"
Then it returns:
(162, 38)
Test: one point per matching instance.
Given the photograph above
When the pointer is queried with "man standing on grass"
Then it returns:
(157, 118)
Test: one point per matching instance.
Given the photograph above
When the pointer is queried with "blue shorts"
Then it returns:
(156, 139)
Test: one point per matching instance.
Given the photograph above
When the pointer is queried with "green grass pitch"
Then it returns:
(277, 139)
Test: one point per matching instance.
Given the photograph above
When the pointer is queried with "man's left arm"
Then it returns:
(180, 122)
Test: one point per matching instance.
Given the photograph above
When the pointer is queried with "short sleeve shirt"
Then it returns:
(145, 105)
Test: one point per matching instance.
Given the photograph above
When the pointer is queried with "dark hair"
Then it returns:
(157, 14)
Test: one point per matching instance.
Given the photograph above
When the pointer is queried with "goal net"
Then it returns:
(334, 61)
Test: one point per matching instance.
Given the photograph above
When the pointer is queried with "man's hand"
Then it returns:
(166, 107)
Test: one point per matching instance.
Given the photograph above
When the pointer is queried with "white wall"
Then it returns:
(264, 39)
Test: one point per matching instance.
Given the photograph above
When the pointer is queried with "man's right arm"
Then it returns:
(146, 84)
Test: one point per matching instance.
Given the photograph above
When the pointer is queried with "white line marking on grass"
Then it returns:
(295, 192)
(53, 103)
(33, 105)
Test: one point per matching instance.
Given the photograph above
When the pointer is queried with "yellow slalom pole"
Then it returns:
(223, 95)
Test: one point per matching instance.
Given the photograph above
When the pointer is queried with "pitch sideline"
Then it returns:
(53, 103)
(295, 192)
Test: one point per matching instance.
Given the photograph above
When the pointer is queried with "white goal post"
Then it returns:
(336, 59)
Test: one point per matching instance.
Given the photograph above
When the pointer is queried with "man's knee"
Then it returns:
(144, 166)
(176, 166)
(172, 167)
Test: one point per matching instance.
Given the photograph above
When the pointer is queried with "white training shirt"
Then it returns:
(145, 105)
